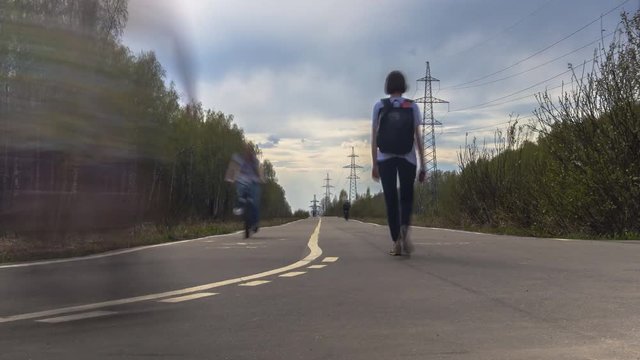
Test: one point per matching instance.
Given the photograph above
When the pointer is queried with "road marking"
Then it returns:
(330, 259)
(240, 246)
(112, 253)
(496, 235)
(314, 252)
(451, 230)
(188, 297)
(366, 223)
(441, 243)
(87, 315)
(293, 273)
(255, 283)
(479, 233)
(487, 234)
(127, 251)
(474, 232)
(316, 266)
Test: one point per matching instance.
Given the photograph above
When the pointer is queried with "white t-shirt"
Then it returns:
(247, 172)
(417, 119)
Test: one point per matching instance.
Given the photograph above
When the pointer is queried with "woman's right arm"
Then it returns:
(232, 172)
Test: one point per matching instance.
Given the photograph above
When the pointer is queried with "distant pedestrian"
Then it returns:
(346, 206)
(395, 138)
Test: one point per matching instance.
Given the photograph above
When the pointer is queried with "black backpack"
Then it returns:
(396, 128)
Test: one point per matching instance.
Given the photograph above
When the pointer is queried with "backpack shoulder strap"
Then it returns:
(386, 105)
(407, 104)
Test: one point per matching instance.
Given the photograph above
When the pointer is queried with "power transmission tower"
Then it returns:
(314, 206)
(353, 176)
(327, 196)
(429, 128)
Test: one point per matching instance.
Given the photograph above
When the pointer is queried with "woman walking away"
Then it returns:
(395, 137)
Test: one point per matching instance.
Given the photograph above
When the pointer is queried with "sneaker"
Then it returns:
(238, 211)
(407, 245)
(396, 250)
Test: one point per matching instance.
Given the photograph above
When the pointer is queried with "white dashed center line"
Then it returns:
(188, 297)
(330, 259)
(316, 266)
(193, 292)
(293, 273)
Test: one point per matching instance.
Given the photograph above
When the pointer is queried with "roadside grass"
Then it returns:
(31, 247)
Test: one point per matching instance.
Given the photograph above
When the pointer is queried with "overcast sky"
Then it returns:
(301, 77)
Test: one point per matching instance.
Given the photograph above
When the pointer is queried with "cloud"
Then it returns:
(272, 141)
(301, 78)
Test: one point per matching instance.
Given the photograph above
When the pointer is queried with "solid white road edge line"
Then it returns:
(74, 317)
(255, 283)
(110, 253)
(124, 251)
(365, 223)
(314, 252)
(476, 233)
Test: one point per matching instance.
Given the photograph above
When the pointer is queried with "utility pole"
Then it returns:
(327, 197)
(353, 176)
(429, 128)
(314, 206)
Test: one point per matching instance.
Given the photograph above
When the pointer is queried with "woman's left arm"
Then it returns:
(418, 135)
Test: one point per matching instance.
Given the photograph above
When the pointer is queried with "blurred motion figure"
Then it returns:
(245, 171)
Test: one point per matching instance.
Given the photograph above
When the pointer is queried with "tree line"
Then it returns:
(92, 137)
(574, 171)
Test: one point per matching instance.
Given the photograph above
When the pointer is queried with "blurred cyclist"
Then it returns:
(244, 170)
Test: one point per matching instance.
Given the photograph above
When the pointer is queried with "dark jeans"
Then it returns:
(253, 192)
(398, 213)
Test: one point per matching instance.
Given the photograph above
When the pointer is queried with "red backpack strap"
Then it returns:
(406, 104)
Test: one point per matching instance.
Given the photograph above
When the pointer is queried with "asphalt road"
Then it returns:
(328, 290)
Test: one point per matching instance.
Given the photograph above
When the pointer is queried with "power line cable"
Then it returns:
(463, 130)
(526, 96)
(541, 50)
(522, 90)
(535, 67)
(512, 26)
